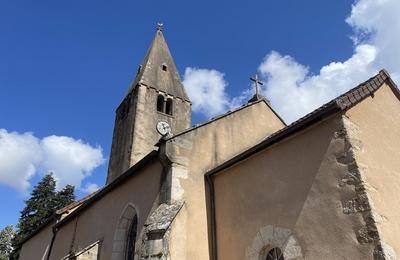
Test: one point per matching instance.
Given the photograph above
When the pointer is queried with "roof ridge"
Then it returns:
(340, 103)
(76, 203)
(195, 126)
(362, 90)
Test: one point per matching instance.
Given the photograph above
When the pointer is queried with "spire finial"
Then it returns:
(159, 26)
(257, 81)
(257, 96)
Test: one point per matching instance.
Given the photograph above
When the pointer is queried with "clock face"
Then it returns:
(163, 128)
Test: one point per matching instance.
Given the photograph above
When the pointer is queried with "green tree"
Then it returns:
(42, 204)
(6, 236)
(64, 197)
(39, 207)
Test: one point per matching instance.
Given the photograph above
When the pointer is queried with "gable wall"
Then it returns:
(377, 130)
(193, 154)
(99, 221)
(290, 196)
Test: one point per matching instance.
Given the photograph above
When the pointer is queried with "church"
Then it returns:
(241, 186)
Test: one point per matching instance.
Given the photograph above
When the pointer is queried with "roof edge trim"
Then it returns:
(111, 186)
(342, 103)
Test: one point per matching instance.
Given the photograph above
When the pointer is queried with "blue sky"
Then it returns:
(65, 66)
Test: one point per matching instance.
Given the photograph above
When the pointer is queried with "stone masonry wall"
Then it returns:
(156, 232)
(360, 202)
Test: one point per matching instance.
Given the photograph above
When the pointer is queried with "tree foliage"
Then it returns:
(64, 197)
(6, 236)
(42, 204)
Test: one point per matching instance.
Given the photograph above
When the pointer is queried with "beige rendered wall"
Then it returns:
(193, 154)
(38, 246)
(100, 220)
(289, 196)
(377, 121)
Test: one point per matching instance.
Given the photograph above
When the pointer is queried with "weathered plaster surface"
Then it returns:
(145, 135)
(135, 125)
(192, 154)
(38, 246)
(122, 137)
(296, 185)
(334, 186)
(361, 202)
(135, 133)
(373, 131)
(88, 227)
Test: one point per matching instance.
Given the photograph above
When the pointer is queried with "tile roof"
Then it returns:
(77, 203)
(365, 89)
(341, 103)
(58, 214)
(87, 201)
(83, 203)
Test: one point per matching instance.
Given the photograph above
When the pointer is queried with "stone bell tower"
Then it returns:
(156, 95)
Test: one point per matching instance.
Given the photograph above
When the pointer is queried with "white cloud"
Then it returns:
(90, 188)
(24, 155)
(71, 160)
(19, 156)
(294, 92)
(290, 86)
(378, 23)
(206, 90)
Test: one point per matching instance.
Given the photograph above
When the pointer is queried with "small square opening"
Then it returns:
(164, 67)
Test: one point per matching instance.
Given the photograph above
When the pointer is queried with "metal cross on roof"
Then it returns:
(257, 83)
(159, 26)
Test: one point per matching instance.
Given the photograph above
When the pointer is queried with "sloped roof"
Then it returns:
(152, 74)
(56, 216)
(250, 103)
(76, 207)
(75, 204)
(110, 187)
(341, 103)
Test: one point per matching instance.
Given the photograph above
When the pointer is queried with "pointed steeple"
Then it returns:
(158, 69)
(156, 95)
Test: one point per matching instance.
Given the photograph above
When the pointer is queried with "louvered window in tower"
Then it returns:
(160, 103)
(168, 107)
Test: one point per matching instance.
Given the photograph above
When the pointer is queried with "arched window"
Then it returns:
(126, 234)
(168, 107)
(275, 254)
(131, 240)
(160, 103)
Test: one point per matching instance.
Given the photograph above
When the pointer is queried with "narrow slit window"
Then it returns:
(131, 241)
(168, 107)
(160, 103)
(139, 69)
